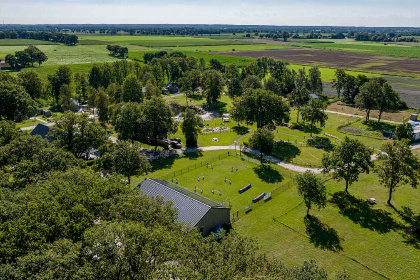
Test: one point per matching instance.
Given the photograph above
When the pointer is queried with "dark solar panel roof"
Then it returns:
(41, 129)
(191, 206)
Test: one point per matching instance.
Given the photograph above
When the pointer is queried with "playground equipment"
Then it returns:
(258, 198)
(245, 188)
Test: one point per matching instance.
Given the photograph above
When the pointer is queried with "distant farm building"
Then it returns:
(415, 123)
(4, 65)
(193, 209)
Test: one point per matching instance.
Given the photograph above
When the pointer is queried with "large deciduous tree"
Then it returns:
(314, 112)
(124, 158)
(213, 86)
(314, 80)
(339, 81)
(388, 100)
(262, 140)
(368, 96)
(132, 90)
(78, 134)
(348, 160)
(31, 81)
(312, 189)
(15, 102)
(191, 127)
(63, 76)
(261, 106)
(299, 97)
(157, 120)
(397, 166)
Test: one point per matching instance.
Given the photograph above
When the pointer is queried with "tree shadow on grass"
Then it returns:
(163, 163)
(321, 235)
(219, 106)
(360, 212)
(241, 130)
(412, 230)
(285, 151)
(382, 126)
(193, 155)
(307, 129)
(268, 174)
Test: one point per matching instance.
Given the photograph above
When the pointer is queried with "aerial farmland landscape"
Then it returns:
(178, 140)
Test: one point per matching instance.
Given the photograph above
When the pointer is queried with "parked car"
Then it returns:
(176, 139)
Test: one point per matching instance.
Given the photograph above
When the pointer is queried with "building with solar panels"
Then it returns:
(193, 209)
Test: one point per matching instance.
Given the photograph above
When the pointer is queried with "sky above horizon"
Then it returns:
(262, 12)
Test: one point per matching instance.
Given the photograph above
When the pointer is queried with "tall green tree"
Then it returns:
(315, 82)
(404, 131)
(95, 76)
(263, 107)
(314, 112)
(127, 121)
(103, 105)
(213, 86)
(12, 61)
(339, 81)
(66, 98)
(368, 96)
(15, 102)
(348, 160)
(77, 134)
(234, 88)
(32, 83)
(262, 140)
(157, 120)
(387, 100)
(63, 76)
(132, 90)
(124, 158)
(191, 127)
(299, 97)
(397, 166)
(312, 189)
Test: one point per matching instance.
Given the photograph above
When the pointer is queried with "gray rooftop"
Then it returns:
(191, 206)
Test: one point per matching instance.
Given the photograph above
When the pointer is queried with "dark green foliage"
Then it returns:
(404, 131)
(15, 102)
(314, 112)
(63, 76)
(234, 88)
(261, 106)
(124, 158)
(312, 189)
(213, 85)
(299, 97)
(77, 134)
(32, 83)
(348, 160)
(398, 166)
(132, 90)
(191, 127)
(262, 140)
(117, 50)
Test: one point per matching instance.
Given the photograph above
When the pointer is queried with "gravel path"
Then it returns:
(360, 117)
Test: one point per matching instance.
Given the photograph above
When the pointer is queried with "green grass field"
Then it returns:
(24, 42)
(368, 243)
(369, 47)
(162, 41)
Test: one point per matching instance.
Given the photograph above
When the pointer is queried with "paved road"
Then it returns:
(274, 160)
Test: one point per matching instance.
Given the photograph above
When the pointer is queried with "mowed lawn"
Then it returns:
(367, 243)
(262, 178)
(390, 49)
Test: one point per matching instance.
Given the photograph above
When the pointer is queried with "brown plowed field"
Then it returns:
(340, 59)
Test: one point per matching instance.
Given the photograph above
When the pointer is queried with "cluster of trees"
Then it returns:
(18, 95)
(25, 58)
(383, 37)
(64, 220)
(397, 166)
(68, 39)
(367, 94)
(117, 50)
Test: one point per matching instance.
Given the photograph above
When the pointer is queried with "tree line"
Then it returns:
(57, 37)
